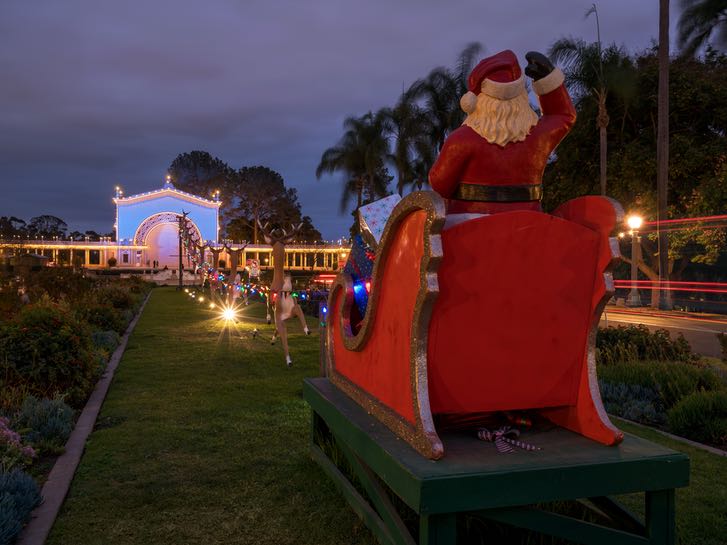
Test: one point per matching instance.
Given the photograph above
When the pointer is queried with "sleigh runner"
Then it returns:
(498, 313)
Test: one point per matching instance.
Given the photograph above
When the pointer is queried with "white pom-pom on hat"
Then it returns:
(468, 102)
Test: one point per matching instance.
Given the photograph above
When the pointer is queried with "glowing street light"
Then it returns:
(228, 314)
(634, 221)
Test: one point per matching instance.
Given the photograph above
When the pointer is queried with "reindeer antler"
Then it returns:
(230, 250)
(280, 234)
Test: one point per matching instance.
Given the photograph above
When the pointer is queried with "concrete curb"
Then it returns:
(60, 478)
(689, 442)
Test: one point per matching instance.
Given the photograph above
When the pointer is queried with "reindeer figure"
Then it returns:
(285, 305)
(235, 255)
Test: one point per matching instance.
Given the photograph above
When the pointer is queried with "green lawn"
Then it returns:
(702, 506)
(204, 437)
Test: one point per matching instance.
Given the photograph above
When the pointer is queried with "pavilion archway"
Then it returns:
(160, 234)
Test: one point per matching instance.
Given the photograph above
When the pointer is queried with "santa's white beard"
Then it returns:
(502, 121)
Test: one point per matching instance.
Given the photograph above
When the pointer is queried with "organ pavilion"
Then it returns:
(149, 224)
(147, 236)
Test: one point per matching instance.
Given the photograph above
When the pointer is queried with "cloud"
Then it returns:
(96, 93)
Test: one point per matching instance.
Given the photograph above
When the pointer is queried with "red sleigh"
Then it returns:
(498, 313)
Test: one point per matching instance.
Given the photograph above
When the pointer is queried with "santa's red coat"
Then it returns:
(468, 157)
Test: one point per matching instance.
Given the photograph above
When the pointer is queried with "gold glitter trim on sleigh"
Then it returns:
(422, 435)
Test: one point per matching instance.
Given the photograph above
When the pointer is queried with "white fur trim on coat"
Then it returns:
(549, 83)
(503, 91)
(468, 102)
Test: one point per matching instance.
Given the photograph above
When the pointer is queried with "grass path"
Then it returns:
(203, 439)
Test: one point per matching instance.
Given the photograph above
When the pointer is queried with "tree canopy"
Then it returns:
(257, 195)
(700, 21)
(698, 149)
(249, 195)
(200, 173)
(360, 155)
(46, 226)
(11, 227)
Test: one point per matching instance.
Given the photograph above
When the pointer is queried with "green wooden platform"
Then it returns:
(474, 478)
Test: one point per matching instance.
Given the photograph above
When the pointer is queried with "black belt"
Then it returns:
(499, 193)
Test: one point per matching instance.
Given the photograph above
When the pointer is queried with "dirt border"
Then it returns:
(60, 478)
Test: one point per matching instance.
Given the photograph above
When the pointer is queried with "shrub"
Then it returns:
(106, 340)
(137, 285)
(46, 423)
(57, 283)
(100, 315)
(19, 495)
(701, 416)
(634, 402)
(48, 350)
(11, 397)
(12, 450)
(111, 261)
(127, 315)
(9, 301)
(117, 296)
(10, 525)
(672, 380)
(722, 338)
(637, 343)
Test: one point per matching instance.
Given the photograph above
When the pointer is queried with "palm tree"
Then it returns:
(407, 125)
(360, 154)
(439, 94)
(700, 20)
(662, 148)
(425, 154)
(592, 73)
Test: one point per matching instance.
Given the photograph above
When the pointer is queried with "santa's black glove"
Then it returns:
(538, 66)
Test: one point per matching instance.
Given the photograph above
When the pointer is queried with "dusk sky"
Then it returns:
(96, 93)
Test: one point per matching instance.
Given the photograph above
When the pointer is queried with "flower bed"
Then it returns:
(52, 351)
(655, 380)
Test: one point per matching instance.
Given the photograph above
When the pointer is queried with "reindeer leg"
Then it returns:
(299, 313)
(275, 334)
(283, 332)
(275, 329)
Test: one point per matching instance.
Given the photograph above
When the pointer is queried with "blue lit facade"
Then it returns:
(149, 220)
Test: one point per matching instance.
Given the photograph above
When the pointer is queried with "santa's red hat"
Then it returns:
(498, 76)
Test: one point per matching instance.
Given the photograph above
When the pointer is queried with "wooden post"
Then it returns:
(181, 265)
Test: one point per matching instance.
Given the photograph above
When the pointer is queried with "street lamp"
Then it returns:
(634, 222)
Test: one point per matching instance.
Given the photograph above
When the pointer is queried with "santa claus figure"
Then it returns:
(495, 161)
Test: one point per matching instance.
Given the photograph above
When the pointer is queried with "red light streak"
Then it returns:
(682, 228)
(676, 282)
(701, 290)
(687, 220)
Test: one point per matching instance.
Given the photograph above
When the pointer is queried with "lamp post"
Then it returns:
(634, 222)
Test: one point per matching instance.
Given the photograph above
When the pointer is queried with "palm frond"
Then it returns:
(699, 19)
